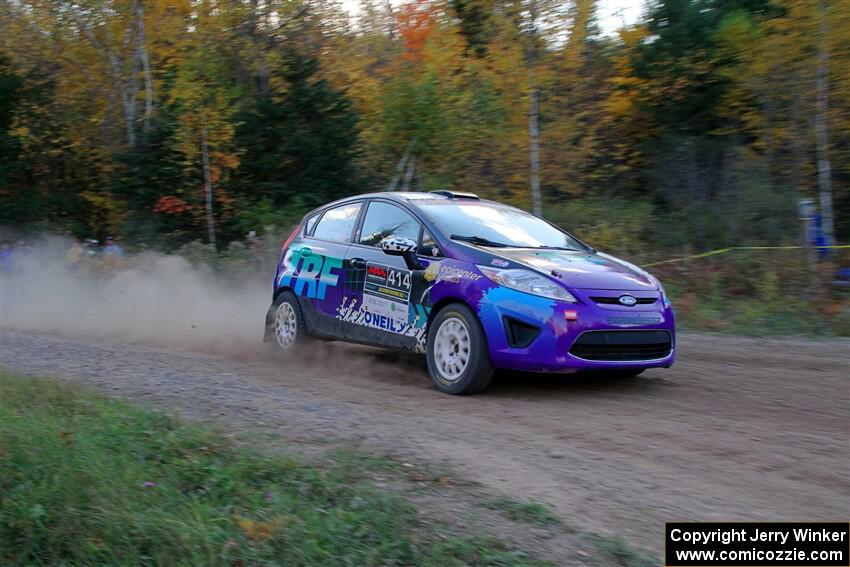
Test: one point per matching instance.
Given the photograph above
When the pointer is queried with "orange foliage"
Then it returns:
(169, 205)
(415, 23)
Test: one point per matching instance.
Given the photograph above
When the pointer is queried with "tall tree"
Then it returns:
(298, 142)
(532, 56)
(821, 123)
(205, 93)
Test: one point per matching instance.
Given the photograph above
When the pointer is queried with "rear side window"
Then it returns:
(337, 223)
(384, 220)
(310, 224)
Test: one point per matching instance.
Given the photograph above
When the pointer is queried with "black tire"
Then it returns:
(286, 305)
(478, 370)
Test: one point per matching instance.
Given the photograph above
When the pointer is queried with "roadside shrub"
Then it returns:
(612, 224)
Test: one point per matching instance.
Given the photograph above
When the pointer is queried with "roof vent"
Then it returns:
(456, 194)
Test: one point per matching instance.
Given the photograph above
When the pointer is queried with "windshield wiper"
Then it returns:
(480, 240)
(544, 247)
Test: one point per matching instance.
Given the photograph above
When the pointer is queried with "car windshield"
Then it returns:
(489, 224)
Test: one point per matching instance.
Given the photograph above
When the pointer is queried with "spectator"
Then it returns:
(6, 257)
(112, 253)
(112, 248)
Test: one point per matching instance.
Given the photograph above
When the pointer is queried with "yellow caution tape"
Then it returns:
(733, 248)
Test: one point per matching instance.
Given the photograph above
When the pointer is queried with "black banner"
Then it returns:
(803, 544)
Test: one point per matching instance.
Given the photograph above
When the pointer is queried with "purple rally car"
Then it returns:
(473, 284)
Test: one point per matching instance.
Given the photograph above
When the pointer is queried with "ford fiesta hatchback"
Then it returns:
(475, 285)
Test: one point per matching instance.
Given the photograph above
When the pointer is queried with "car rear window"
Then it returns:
(337, 223)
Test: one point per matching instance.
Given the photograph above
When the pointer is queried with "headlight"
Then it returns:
(528, 282)
(664, 299)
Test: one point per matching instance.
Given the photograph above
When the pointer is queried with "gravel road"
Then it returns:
(740, 429)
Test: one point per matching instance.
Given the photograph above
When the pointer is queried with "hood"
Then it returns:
(580, 270)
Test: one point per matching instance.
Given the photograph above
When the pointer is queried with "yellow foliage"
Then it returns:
(106, 211)
(262, 530)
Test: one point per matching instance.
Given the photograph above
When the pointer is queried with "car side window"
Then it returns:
(311, 222)
(384, 220)
(429, 246)
(338, 223)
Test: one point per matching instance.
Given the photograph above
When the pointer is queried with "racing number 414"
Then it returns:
(399, 279)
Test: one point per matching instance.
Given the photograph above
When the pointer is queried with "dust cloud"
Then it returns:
(148, 298)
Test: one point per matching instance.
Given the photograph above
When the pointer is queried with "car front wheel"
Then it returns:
(458, 358)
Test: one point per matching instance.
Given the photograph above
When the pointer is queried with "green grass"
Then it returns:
(529, 512)
(86, 480)
(622, 553)
(756, 317)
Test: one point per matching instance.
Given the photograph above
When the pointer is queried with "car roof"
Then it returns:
(414, 197)
(397, 196)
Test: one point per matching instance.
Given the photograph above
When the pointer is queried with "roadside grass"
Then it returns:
(748, 294)
(86, 480)
(622, 553)
(529, 512)
(748, 317)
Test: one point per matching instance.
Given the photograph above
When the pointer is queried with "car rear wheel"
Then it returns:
(458, 359)
(288, 327)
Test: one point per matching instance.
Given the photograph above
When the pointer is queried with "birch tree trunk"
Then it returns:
(400, 168)
(125, 93)
(142, 56)
(533, 127)
(408, 175)
(208, 187)
(821, 128)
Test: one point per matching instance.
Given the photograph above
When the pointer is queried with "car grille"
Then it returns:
(622, 345)
(616, 300)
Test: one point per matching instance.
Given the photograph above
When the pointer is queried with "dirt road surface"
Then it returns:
(740, 429)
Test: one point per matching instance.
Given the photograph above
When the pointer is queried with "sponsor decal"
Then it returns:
(371, 313)
(391, 301)
(454, 274)
(379, 321)
(499, 262)
(395, 312)
(387, 281)
(309, 275)
(390, 292)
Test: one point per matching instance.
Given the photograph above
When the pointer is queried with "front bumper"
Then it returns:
(631, 338)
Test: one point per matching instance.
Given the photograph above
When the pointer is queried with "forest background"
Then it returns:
(184, 125)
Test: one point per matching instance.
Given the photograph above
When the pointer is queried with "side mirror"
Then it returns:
(403, 247)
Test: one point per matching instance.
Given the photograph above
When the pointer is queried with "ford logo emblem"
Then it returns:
(627, 300)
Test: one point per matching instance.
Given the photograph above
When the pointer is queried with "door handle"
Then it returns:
(358, 263)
